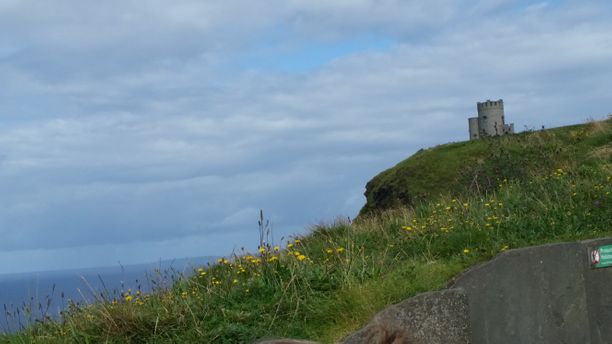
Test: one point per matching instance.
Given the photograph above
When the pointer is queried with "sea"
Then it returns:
(26, 298)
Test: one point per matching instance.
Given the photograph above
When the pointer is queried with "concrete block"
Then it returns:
(598, 284)
(532, 295)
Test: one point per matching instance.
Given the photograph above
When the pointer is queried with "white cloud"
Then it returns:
(143, 128)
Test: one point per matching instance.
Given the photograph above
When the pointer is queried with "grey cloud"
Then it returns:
(337, 18)
(178, 143)
(59, 40)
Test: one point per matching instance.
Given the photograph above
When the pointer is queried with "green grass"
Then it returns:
(476, 166)
(324, 285)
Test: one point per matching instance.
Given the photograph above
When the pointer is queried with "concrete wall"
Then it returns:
(545, 294)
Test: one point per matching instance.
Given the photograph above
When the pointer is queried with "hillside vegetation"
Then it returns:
(426, 220)
(475, 167)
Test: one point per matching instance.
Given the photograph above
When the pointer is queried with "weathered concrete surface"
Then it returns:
(598, 284)
(432, 318)
(543, 294)
(532, 295)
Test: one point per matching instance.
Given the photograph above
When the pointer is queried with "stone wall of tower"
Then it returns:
(474, 131)
(491, 119)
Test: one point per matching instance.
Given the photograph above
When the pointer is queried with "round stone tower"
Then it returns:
(474, 132)
(491, 118)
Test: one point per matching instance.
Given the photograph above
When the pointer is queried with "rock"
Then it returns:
(431, 318)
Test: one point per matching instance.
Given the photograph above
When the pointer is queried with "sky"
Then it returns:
(133, 131)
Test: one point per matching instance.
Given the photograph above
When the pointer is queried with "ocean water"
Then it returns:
(28, 297)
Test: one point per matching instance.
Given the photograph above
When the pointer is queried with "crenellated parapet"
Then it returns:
(490, 104)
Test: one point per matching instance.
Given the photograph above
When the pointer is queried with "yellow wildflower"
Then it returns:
(272, 259)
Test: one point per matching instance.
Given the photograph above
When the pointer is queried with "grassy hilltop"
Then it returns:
(426, 220)
(476, 167)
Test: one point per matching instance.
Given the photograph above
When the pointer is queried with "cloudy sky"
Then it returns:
(132, 131)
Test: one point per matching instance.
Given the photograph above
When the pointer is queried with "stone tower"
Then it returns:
(490, 120)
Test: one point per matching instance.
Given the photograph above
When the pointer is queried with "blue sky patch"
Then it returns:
(308, 56)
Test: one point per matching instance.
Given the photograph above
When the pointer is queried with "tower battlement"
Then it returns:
(490, 104)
